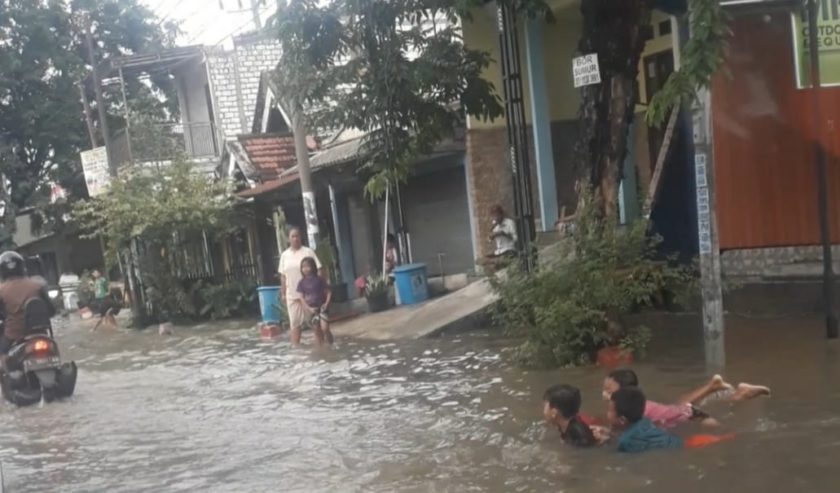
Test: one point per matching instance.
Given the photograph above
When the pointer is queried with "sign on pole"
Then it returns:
(95, 168)
(828, 45)
(707, 233)
(586, 70)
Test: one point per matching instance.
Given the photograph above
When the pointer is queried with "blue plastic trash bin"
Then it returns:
(270, 304)
(411, 283)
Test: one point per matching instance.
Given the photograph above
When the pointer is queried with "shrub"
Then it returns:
(225, 300)
(573, 305)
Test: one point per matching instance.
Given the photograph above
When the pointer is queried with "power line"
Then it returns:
(159, 5)
(170, 12)
(204, 26)
(239, 28)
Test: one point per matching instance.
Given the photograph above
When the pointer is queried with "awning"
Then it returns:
(270, 186)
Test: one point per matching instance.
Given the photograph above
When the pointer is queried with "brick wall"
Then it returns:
(489, 180)
(251, 56)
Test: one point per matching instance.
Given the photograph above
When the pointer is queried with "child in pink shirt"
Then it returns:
(670, 415)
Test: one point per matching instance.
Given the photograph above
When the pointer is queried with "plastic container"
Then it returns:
(411, 282)
(270, 304)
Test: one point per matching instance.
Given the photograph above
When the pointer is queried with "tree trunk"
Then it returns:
(617, 32)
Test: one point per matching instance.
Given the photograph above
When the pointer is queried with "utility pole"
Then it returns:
(707, 226)
(310, 211)
(97, 90)
(88, 119)
(831, 323)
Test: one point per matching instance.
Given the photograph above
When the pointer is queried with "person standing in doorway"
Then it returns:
(503, 234)
(503, 237)
(290, 277)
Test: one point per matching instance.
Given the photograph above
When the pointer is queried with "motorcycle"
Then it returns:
(33, 370)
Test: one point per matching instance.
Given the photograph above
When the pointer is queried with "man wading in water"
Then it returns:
(290, 277)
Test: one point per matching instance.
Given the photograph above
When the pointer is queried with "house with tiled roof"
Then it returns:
(432, 209)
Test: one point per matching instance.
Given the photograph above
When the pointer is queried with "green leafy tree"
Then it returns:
(160, 208)
(396, 69)
(617, 32)
(42, 57)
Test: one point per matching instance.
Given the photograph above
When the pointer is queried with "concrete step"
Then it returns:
(461, 310)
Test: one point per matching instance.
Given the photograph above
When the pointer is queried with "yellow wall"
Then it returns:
(480, 34)
(560, 41)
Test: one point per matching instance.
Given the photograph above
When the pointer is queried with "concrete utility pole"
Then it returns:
(310, 211)
(707, 227)
(831, 323)
(100, 102)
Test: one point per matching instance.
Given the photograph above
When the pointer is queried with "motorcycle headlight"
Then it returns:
(54, 293)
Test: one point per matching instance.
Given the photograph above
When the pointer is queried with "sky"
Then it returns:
(210, 22)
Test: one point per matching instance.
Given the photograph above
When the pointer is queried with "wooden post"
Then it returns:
(664, 151)
(127, 119)
(100, 101)
(709, 246)
(88, 119)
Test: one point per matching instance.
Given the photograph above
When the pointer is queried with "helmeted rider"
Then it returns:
(16, 289)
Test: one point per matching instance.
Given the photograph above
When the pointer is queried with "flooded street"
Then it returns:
(215, 409)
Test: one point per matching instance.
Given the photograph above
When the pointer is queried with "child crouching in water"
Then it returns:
(315, 297)
(561, 406)
(638, 434)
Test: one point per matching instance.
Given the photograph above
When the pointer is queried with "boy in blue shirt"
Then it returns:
(627, 413)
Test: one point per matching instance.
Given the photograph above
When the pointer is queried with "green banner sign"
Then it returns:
(828, 44)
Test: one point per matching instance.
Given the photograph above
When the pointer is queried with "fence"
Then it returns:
(160, 142)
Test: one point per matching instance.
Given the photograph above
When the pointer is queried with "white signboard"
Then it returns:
(704, 210)
(95, 167)
(586, 70)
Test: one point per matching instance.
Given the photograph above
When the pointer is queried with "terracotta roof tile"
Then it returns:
(269, 154)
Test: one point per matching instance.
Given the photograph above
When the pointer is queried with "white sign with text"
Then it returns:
(586, 70)
(95, 167)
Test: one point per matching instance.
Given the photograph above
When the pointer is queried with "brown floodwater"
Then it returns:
(215, 409)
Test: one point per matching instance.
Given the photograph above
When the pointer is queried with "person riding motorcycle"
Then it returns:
(16, 289)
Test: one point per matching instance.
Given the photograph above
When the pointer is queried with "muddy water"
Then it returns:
(216, 409)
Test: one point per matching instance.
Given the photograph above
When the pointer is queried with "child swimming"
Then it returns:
(561, 408)
(685, 410)
(626, 413)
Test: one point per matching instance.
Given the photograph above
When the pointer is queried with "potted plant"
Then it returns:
(376, 293)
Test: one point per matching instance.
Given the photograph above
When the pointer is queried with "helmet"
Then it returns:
(11, 265)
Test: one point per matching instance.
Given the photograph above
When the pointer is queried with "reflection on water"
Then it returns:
(216, 409)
